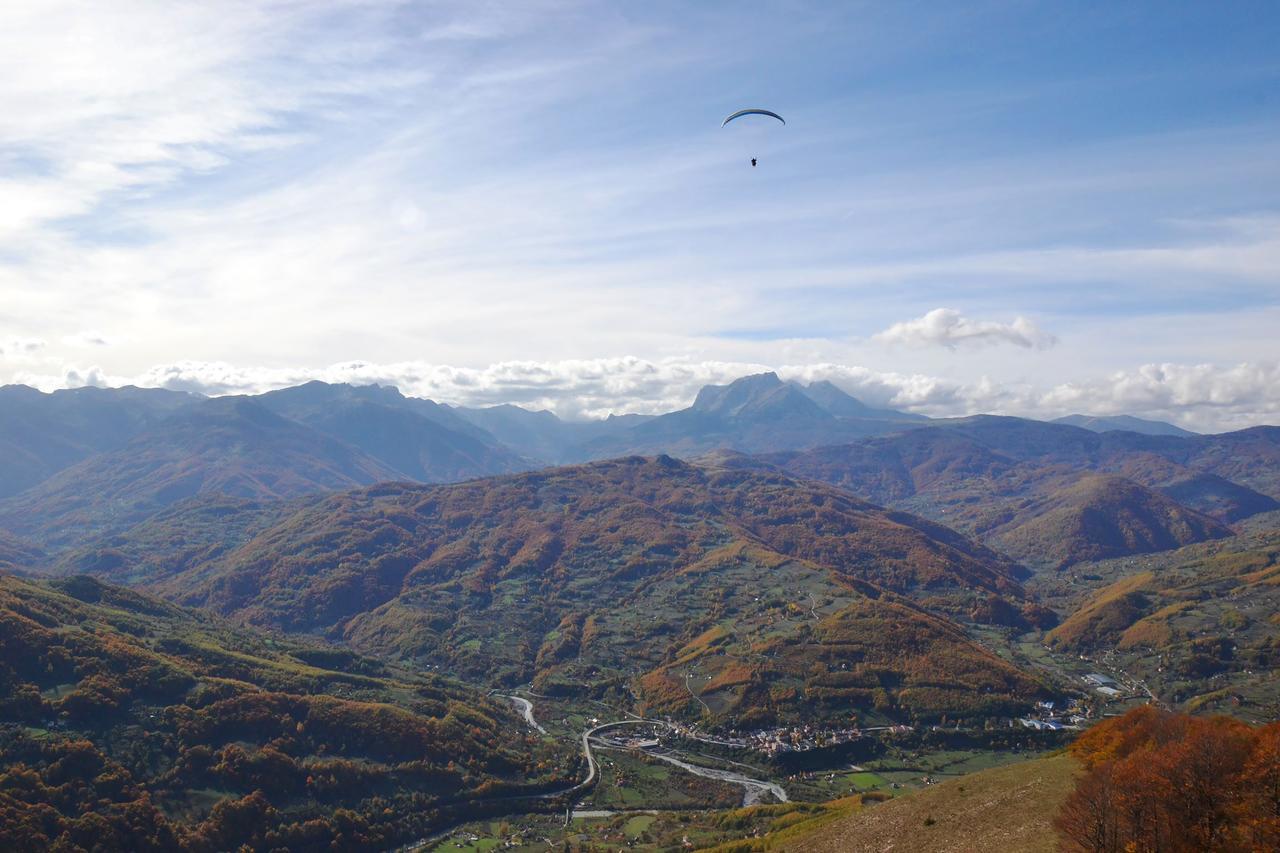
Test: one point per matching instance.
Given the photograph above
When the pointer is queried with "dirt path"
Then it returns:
(526, 710)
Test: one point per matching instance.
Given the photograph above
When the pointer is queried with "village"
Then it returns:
(776, 741)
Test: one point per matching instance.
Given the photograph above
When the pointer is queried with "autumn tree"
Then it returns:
(1156, 781)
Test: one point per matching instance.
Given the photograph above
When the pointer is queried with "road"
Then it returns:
(526, 710)
(753, 789)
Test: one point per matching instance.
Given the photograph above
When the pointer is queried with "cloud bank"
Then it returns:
(1204, 397)
(949, 328)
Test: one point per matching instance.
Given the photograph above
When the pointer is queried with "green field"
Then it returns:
(867, 781)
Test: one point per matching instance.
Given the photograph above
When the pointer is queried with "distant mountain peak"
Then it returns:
(761, 394)
(834, 399)
(719, 398)
(318, 389)
(1125, 423)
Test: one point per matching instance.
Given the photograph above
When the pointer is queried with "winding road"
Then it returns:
(753, 789)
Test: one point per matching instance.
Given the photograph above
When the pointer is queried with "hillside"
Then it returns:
(1007, 808)
(1196, 624)
(1249, 457)
(648, 572)
(1218, 497)
(228, 446)
(128, 723)
(15, 554)
(1100, 516)
(419, 439)
(182, 539)
(42, 434)
(1037, 490)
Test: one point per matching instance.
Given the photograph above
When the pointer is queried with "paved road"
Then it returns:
(753, 789)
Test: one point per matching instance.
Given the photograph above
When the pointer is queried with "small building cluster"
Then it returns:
(775, 741)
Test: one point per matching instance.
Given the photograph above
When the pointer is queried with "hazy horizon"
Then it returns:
(1007, 209)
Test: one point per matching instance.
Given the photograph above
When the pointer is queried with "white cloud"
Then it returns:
(1203, 397)
(949, 328)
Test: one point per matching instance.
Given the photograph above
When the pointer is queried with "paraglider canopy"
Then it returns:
(753, 112)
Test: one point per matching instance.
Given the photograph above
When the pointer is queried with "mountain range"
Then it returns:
(1054, 494)
(1122, 423)
(93, 462)
(222, 620)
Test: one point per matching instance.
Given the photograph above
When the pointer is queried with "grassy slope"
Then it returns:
(1007, 809)
(15, 554)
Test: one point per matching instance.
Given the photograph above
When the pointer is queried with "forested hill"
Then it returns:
(630, 572)
(127, 723)
(1053, 495)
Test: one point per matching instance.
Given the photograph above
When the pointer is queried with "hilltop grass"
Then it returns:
(1007, 808)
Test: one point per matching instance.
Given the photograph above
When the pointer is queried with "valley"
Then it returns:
(696, 644)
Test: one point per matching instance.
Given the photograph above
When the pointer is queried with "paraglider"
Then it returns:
(752, 112)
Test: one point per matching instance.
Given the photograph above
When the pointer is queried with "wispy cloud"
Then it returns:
(116, 102)
(408, 185)
(86, 339)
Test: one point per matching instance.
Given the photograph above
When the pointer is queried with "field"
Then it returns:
(900, 772)
(660, 830)
(1007, 809)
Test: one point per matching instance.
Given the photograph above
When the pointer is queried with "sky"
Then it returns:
(1011, 207)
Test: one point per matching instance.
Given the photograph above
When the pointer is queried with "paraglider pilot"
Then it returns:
(752, 112)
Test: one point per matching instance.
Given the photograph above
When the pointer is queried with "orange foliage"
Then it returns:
(1170, 782)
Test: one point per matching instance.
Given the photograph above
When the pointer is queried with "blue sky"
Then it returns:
(1016, 207)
